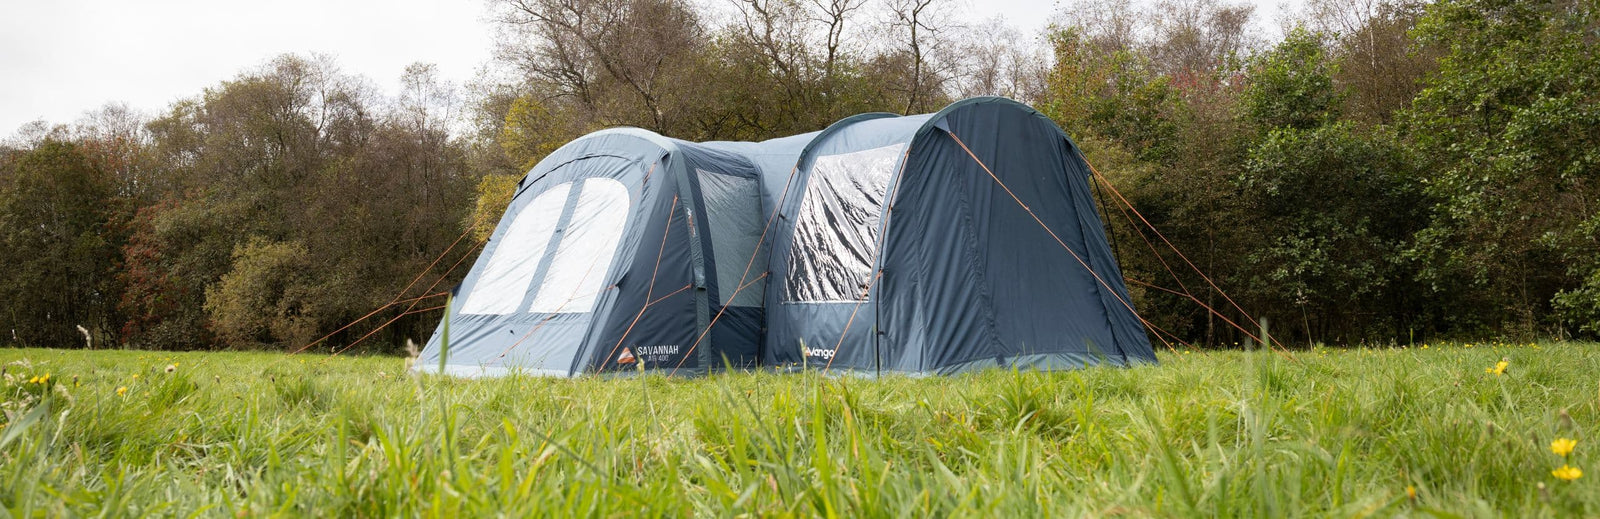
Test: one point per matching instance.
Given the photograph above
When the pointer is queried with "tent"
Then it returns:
(933, 243)
(614, 254)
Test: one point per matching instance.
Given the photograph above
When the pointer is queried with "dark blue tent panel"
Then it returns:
(925, 244)
(1023, 275)
(991, 252)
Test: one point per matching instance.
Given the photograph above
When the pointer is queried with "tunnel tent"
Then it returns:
(614, 255)
(934, 243)
(945, 242)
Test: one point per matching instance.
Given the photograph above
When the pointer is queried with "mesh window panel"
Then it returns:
(505, 280)
(836, 238)
(578, 270)
(733, 210)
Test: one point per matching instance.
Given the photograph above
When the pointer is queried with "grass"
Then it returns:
(1332, 433)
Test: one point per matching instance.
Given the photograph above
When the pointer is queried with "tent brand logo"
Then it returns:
(668, 349)
(648, 355)
(817, 352)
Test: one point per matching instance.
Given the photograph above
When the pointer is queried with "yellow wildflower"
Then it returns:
(122, 390)
(1411, 492)
(1499, 367)
(1567, 473)
(1563, 446)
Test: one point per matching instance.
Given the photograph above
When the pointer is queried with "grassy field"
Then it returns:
(1408, 432)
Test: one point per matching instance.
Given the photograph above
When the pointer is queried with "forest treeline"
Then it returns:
(1387, 170)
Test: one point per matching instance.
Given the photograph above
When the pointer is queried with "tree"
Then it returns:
(618, 62)
(1381, 64)
(1336, 262)
(1000, 63)
(1197, 37)
(58, 232)
(311, 204)
(923, 52)
(1509, 126)
(531, 131)
(1291, 86)
(835, 17)
(264, 298)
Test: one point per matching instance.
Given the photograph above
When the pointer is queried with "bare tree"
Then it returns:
(920, 27)
(426, 102)
(777, 28)
(997, 60)
(603, 52)
(1197, 36)
(1107, 25)
(833, 14)
(1380, 63)
(425, 110)
(31, 133)
(118, 137)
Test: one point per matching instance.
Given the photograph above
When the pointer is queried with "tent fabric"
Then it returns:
(600, 265)
(925, 244)
(1031, 301)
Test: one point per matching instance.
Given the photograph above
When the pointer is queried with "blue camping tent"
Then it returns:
(932, 243)
(608, 259)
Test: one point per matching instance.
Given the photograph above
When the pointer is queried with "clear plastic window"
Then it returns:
(836, 235)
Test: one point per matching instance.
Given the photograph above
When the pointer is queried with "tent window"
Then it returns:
(836, 237)
(505, 280)
(733, 211)
(578, 271)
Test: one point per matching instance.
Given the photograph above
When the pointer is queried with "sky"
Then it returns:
(62, 58)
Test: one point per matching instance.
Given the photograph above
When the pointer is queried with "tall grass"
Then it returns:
(1333, 432)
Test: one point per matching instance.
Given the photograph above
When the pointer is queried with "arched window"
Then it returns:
(505, 280)
(578, 271)
(836, 237)
(588, 229)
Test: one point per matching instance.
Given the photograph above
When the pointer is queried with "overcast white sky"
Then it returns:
(61, 58)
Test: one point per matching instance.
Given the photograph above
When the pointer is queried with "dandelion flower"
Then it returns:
(1499, 368)
(1411, 492)
(1563, 446)
(122, 390)
(1567, 473)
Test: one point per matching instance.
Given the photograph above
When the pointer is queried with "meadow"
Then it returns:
(1435, 430)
